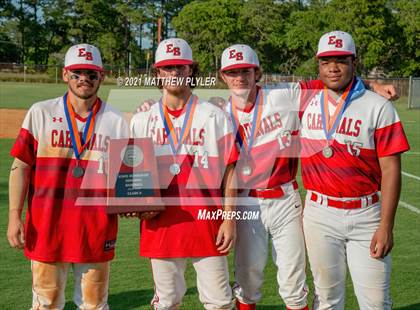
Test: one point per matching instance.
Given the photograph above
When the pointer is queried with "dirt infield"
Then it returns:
(11, 120)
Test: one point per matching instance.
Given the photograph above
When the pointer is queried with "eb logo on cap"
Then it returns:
(332, 40)
(170, 49)
(233, 54)
(86, 55)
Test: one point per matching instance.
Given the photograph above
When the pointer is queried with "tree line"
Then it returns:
(284, 33)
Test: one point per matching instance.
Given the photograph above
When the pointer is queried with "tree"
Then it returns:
(263, 26)
(369, 22)
(303, 30)
(108, 24)
(9, 51)
(209, 27)
(57, 22)
(407, 58)
(9, 42)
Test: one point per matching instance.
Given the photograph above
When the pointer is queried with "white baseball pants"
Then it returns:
(212, 282)
(281, 220)
(90, 285)
(337, 238)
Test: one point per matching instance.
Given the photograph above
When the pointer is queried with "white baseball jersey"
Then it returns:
(369, 128)
(203, 157)
(337, 239)
(274, 161)
(273, 156)
(56, 229)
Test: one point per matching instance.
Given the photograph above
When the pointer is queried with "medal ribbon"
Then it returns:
(256, 122)
(329, 124)
(80, 143)
(174, 140)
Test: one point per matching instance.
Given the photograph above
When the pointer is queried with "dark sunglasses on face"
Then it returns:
(91, 74)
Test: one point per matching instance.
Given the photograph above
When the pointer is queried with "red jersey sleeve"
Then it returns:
(26, 144)
(390, 138)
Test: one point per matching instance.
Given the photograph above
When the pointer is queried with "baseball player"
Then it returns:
(351, 145)
(59, 158)
(271, 179)
(194, 144)
(267, 127)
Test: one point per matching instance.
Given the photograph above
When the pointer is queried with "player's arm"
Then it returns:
(226, 236)
(382, 241)
(20, 174)
(387, 91)
(145, 106)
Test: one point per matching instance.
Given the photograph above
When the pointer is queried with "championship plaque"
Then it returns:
(133, 184)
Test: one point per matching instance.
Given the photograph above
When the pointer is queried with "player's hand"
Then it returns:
(145, 106)
(148, 215)
(218, 101)
(387, 91)
(226, 236)
(15, 230)
(129, 215)
(382, 242)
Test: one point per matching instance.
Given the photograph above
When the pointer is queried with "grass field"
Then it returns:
(131, 285)
(15, 95)
(23, 95)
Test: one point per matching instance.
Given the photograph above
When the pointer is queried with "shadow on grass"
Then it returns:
(409, 307)
(124, 300)
(271, 307)
(131, 299)
(4, 192)
(282, 307)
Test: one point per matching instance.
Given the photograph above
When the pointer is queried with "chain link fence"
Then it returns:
(414, 93)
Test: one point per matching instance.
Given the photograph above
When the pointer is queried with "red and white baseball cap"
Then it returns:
(83, 56)
(173, 51)
(336, 43)
(239, 56)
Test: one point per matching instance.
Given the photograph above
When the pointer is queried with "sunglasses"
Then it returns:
(91, 74)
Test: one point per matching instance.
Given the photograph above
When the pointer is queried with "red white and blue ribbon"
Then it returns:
(329, 124)
(243, 142)
(80, 143)
(176, 141)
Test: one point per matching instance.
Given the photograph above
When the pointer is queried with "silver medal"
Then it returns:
(327, 152)
(78, 172)
(175, 169)
(246, 170)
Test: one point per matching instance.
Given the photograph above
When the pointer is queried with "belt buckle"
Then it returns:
(287, 188)
(351, 204)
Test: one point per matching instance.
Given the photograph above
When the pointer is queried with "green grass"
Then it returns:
(22, 95)
(131, 285)
(411, 121)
